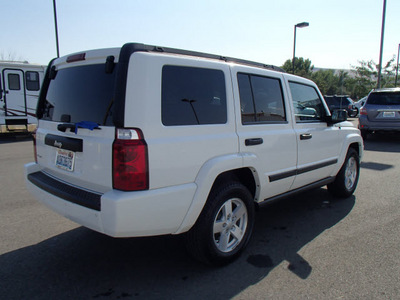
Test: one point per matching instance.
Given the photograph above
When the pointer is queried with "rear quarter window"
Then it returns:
(192, 96)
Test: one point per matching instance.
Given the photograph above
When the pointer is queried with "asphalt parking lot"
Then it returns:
(312, 246)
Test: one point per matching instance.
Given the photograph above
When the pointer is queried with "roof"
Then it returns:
(387, 90)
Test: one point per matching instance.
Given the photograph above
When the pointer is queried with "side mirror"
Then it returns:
(337, 116)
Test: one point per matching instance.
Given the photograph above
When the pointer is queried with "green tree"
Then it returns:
(302, 67)
(358, 83)
(327, 81)
(366, 77)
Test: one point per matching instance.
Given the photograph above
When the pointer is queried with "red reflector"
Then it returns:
(130, 167)
(76, 57)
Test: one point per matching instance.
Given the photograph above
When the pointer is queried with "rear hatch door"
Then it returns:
(76, 132)
(383, 107)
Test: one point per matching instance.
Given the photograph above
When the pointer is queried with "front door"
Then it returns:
(318, 144)
(14, 92)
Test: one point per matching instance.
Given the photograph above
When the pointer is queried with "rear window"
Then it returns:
(384, 99)
(261, 99)
(82, 93)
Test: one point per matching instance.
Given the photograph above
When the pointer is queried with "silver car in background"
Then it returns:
(381, 112)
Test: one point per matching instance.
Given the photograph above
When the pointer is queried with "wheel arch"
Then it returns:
(243, 175)
(214, 173)
(356, 146)
(352, 141)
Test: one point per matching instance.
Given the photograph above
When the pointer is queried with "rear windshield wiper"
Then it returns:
(63, 127)
(74, 127)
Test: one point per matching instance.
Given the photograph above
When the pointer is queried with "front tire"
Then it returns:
(346, 180)
(224, 227)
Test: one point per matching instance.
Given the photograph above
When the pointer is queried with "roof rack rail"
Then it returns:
(134, 47)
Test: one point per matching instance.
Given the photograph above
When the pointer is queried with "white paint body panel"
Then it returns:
(184, 161)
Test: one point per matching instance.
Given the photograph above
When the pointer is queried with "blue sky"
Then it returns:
(341, 32)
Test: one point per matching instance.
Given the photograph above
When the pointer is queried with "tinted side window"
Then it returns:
(246, 99)
(261, 99)
(307, 104)
(32, 81)
(13, 82)
(192, 96)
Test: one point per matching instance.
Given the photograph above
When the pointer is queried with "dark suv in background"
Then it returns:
(381, 112)
(342, 102)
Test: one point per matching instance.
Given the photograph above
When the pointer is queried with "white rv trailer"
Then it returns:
(19, 92)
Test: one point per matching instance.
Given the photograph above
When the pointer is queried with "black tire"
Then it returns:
(353, 113)
(218, 237)
(346, 180)
(364, 134)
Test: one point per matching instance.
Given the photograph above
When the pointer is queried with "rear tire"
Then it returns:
(224, 227)
(346, 180)
(364, 134)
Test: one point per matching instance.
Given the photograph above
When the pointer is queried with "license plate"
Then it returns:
(388, 114)
(65, 159)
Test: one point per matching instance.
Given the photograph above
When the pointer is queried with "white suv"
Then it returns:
(144, 141)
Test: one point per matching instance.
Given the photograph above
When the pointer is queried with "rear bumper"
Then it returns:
(115, 213)
(365, 124)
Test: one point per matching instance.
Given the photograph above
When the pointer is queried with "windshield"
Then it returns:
(82, 93)
(384, 99)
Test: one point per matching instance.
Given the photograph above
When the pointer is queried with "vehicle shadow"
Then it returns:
(6, 138)
(82, 264)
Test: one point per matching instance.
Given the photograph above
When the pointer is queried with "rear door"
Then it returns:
(14, 89)
(266, 136)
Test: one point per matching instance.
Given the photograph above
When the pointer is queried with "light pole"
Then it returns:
(382, 38)
(56, 28)
(300, 25)
(397, 66)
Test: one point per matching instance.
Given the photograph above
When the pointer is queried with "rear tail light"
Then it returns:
(130, 163)
(363, 111)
